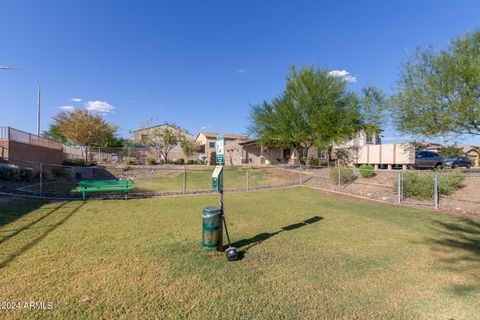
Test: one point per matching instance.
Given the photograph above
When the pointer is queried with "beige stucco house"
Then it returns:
(362, 149)
(141, 136)
(472, 152)
(207, 140)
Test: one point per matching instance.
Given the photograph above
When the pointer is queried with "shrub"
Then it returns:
(343, 174)
(150, 161)
(74, 162)
(314, 162)
(180, 161)
(421, 185)
(366, 170)
(61, 172)
(8, 172)
(274, 162)
(194, 162)
(25, 173)
(129, 160)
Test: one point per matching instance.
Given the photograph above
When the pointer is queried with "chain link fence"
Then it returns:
(131, 155)
(455, 189)
(61, 181)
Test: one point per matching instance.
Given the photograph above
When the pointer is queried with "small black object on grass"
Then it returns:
(231, 252)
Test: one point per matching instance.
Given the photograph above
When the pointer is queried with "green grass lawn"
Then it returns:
(305, 255)
(234, 177)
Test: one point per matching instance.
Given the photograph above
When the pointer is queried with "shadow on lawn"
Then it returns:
(33, 242)
(460, 253)
(245, 244)
(463, 236)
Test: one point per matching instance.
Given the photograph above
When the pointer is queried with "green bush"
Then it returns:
(8, 172)
(314, 162)
(180, 161)
(274, 162)
(366, 170)
(74, 162)
(420, 185)
(11, 172)
(150, 161)
(25, 173)
(343, 174)
(61, 172)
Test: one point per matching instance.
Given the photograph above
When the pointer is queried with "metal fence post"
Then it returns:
(399, 187)
(435, 190)
(248, 179)
(184, 187)
(338, 173)
(41, 179)
(300, 178)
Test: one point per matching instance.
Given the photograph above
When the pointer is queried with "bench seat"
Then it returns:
(86, 186)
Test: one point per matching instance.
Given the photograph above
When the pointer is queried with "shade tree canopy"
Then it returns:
(316, 109)
(84, 128)
(438, 91)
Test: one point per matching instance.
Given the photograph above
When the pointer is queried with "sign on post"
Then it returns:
(219, 150)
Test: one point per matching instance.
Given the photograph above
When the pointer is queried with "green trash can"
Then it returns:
(210, 227)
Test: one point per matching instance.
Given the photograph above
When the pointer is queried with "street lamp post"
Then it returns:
(38, 92)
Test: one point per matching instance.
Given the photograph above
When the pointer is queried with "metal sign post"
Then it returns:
(219, 148)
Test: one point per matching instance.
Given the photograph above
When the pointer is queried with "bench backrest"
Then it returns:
(105, 183)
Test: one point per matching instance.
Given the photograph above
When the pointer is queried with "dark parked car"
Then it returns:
(455, 162)
(428, 160)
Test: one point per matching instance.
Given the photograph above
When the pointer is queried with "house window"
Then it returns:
(144, 137)
(322, 154)
(211, 145)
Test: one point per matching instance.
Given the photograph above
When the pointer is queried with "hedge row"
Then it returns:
(11, 172)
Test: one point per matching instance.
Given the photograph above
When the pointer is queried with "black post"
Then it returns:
(220, 236)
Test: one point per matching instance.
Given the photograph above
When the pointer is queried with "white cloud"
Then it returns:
(241, 70)
(99, 106)
(343, 74)
(67, 108)
(76, 99)
(206, 127)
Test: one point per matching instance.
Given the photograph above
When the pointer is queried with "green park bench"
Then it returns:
(87, 186)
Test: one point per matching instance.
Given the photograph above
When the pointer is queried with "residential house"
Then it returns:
(362, 149)
(472, 152)
(142, 136)
(207, 140)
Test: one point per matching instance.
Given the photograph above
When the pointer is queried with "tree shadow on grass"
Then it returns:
(246, 244)
(35, 241)
(458, 246)
(17, 208)
(20, 213)
(460, 236)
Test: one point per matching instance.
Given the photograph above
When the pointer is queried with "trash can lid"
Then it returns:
(210, 210)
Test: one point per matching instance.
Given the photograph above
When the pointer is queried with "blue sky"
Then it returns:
(201, 64)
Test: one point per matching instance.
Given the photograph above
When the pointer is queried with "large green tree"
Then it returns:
(316, 109)
(54, 133)
(438, 91)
